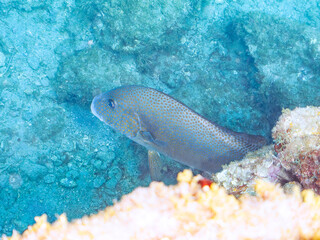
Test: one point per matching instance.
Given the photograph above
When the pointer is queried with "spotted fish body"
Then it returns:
(163, 124)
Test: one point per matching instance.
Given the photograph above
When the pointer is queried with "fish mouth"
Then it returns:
(93, 106)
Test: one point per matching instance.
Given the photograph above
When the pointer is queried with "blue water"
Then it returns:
(236, 62)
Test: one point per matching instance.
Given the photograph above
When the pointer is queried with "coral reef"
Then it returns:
(286, 53)
(236, 62)
(295, 156)
(140, 25)
(92, 71)
(239, 177)
(297, 142)
(191, 211)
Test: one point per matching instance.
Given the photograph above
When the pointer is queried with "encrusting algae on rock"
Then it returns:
(295, 156)
(297, 137)
(190, 210)
(239, 177)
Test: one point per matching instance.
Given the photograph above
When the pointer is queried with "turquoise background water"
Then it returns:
(238, 63)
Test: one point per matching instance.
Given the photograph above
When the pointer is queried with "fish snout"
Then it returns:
(97, 100)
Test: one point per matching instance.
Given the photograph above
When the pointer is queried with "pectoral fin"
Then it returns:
(155, 165)
(146, 137)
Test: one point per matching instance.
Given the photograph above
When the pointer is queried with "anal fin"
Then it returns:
(155, 165)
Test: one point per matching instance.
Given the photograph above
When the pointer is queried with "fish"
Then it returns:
(165, 125)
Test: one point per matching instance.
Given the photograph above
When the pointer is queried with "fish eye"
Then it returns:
(111, 103)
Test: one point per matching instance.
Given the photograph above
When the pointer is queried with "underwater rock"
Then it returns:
(97, 164)
(297, 142)
(92, 71)
(49, 122)
(287, 55)
(2, 59)
(50, 178)
(98, 181)
(105, 159)
(68, 183)
(139, 24)
(72, 174)
(56, 161)
(15, 180)
(114, 176)
(20, 225)
(33, 61)
(240, 177)
(33, 171)
(27, 7)
(8, 197)
(191, 211)
(106, 156)
(4, 178)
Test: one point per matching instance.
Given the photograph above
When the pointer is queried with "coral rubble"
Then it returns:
(297, 137)
(190, 210)
(239, 177)
(295, 156)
